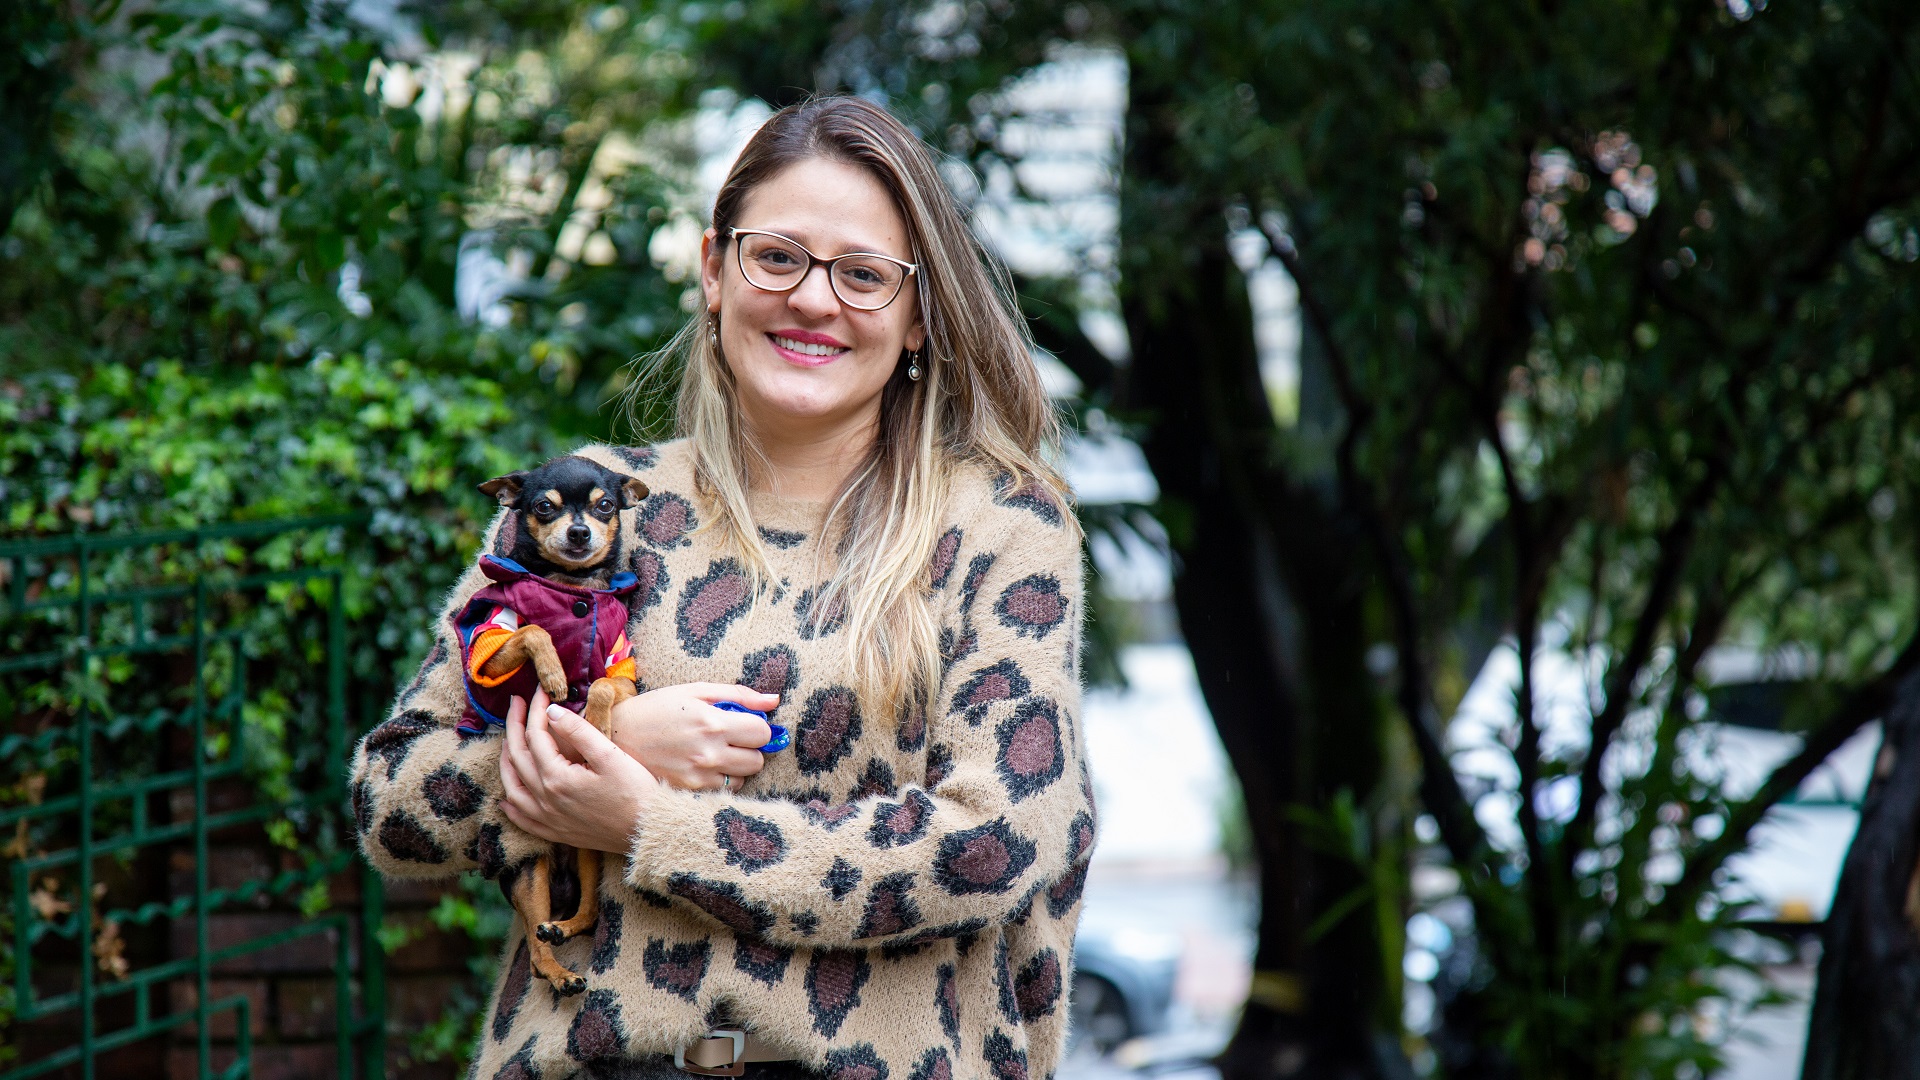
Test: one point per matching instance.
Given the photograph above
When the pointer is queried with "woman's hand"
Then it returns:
(566, 783)
(681, 738)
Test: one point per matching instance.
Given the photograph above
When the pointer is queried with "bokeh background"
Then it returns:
(1496, 426)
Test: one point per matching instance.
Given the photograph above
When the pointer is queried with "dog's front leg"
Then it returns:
(530, 643)
(531, 900)
(602, 696)
(588, 863)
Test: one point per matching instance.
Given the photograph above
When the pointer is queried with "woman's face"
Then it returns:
(830, 208)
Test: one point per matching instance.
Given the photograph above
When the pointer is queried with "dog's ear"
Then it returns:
(504, 489)
(631, 492)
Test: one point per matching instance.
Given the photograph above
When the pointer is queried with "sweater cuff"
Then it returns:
(667, 838)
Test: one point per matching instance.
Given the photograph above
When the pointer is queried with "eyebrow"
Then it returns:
(870, 249)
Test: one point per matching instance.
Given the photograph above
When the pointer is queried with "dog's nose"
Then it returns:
(578, 534)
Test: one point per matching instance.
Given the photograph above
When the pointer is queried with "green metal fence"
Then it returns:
(140, 736)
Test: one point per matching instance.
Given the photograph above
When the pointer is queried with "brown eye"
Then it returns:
(544, 508)
(604, 506)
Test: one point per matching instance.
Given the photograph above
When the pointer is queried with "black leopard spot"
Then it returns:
(856, 1062)
(782, 538)
(977, 569)
(392, 741)
(650, 570)
(946, 995)
(710, 603)
(1033, 605)
(751, 843)
(843, 878)
(819, 624)
(677, 969)
(666, 520)
(772, 670)
(452, 795)
(962, 932)
(900, 823)
(362, 795)
(939, 764)
(946, 552)
(829, 726)
(834, 979)
(513, 990)
(1027, 494)
(725, 902)
(1003, 982)
(832, 815)
(1006, 1061)
(761, 960)
(984, 859)
(911, 735)
(805, 923)
(638, 458)
(409, 841)
(1037, 987)
(890, 908)
(934, 1065)
(489, 852)
(606, 937)
(876, 780)
(1031, 757)
(1001, 681)
(653, 899)
(1066, 892)
(597, 1031)
(956, 646)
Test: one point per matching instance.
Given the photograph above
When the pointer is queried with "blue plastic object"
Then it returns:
(781, 739)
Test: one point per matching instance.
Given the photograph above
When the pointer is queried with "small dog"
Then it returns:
(554, 616)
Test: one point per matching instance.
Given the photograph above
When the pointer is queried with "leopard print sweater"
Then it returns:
(893, 898)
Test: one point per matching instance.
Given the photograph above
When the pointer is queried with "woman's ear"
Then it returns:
(916, 336)
(710, 265)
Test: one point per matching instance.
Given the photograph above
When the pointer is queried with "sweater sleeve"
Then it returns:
(1005, 811)
(425, 798)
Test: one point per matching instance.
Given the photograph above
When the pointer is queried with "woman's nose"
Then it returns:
(814, 295)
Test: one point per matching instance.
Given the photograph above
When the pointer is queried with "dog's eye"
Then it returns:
(605, 506)
(543, 507)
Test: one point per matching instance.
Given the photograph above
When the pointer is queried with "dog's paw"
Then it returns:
(570, 986)
(550, 933)
(554, 682)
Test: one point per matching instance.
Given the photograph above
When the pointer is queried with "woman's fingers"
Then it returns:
(737, 762)
(514, 757)
(739, 695)
(749, 732)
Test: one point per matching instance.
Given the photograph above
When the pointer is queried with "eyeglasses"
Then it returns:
(861, 279)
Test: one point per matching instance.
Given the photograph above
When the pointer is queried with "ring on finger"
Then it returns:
(726, 782)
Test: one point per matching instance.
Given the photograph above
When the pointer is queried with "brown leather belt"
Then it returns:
(725, 1052)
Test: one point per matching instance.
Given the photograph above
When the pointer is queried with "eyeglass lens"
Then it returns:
(860, 281)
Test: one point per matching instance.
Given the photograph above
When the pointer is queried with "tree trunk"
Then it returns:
(1269, 589)
(1865, 1022)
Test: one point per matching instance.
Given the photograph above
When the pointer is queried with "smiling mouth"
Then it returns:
(807, 351)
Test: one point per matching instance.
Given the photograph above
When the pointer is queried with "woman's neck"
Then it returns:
(810, 462)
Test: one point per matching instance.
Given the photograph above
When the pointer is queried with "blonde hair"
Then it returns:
(979, 402)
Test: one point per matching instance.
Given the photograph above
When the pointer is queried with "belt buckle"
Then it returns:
(737, 1067)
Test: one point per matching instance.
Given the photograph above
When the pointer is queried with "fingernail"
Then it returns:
(557, 713)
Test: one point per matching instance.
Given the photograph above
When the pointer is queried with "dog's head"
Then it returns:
(568, 513)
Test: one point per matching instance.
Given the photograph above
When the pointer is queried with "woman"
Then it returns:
(857, 533)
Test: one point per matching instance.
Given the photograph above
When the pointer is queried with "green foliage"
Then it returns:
(1609, 340)
(228, 293)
